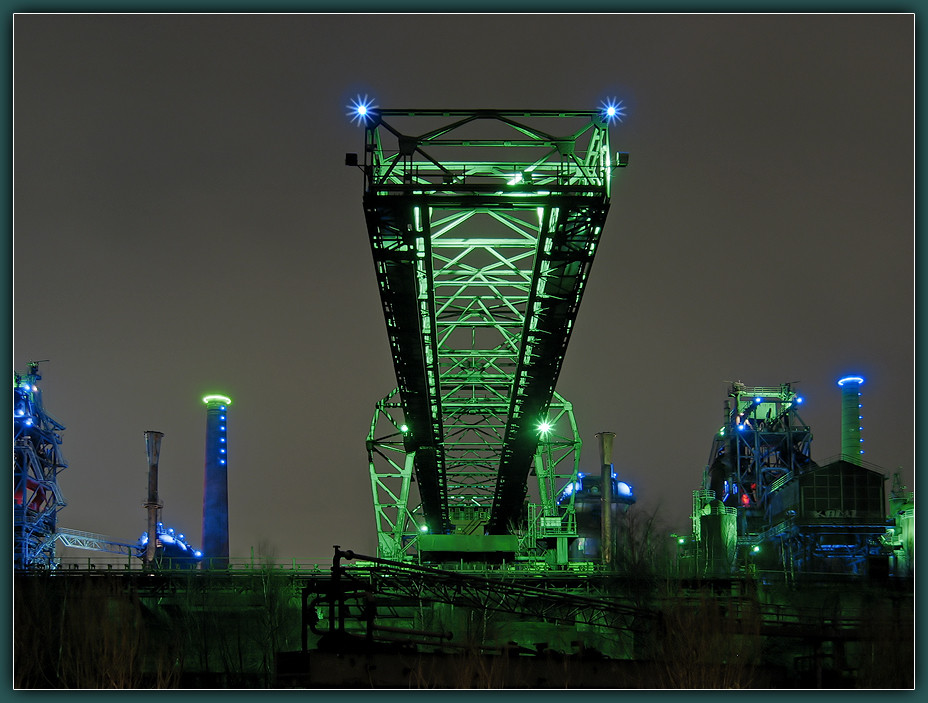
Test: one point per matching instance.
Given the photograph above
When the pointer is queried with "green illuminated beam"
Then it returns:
(481, 265)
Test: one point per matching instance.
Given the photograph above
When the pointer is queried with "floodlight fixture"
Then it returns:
(612, 110)
(361, 109)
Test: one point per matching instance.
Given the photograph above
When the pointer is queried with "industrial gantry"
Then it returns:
(483, 227)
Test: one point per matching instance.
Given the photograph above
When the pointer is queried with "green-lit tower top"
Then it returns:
(221, 399)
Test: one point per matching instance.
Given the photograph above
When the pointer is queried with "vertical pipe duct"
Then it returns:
(851, 417)
(215, 484)
(605, 460)
(153, 503)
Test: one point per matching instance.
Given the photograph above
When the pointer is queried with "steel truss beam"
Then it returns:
(481, 266)
(79, 539)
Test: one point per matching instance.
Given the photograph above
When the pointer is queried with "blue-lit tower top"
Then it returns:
(215, 483)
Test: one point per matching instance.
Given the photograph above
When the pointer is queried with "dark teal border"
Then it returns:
(438, 6)
(474, 6)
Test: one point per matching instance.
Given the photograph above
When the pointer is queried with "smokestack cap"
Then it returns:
(217, 399)
(850, 379)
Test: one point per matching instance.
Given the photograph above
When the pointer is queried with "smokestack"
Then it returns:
(605, 460)
(851, 417)
(215, 484)
(153, 504)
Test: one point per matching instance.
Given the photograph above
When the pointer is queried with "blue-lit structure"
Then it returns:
(766, 504)
(215, 483)
(587, 493)
(171, 549)
(763, 439)
(37, 461)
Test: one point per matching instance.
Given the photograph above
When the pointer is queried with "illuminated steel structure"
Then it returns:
(765, 503)
(215, 484)
(483, 226)
(763, 440)
(37, 461)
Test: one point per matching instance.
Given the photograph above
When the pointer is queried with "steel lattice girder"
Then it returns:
(481, 267)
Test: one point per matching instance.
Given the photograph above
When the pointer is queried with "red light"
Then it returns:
(744, 499)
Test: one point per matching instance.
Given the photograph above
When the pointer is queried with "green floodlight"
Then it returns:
(755, 549)
(404, 429)
(217, 399)
(544, 427)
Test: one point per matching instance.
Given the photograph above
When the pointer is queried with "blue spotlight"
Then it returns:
(360, 109)
(612, 110)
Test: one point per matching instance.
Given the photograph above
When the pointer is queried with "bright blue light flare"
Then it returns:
(360, 109)
(624, 488)
(613, 110)
(851, 379)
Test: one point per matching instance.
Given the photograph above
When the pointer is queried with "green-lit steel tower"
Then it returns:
(483, 226)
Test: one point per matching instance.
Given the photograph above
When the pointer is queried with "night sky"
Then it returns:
(184, 224)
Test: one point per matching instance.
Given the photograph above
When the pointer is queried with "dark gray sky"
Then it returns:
(184, 224)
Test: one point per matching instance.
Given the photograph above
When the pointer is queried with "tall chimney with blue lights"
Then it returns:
(851, 418)
(215, 484)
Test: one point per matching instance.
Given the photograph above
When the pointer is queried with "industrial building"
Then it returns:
(766, 505)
